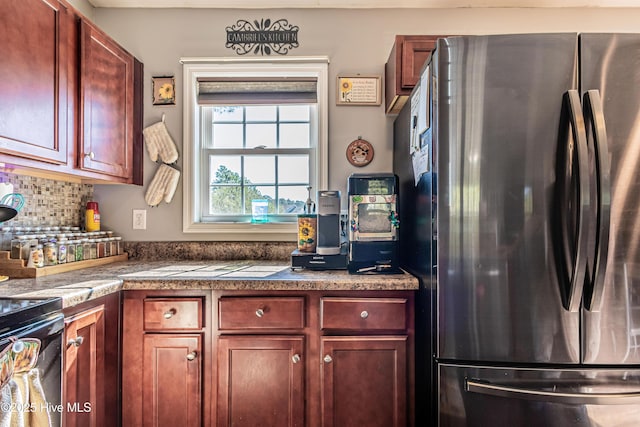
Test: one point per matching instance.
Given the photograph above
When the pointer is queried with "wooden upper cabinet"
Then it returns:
(106, 104)
(403, 67)
(34, 111)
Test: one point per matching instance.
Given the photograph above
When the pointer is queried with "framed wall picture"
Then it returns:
(358, 90)
(164, 90)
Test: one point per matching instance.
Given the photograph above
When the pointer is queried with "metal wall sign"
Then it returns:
(262, 37)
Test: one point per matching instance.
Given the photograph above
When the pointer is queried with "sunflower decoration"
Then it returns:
(307, 233)
(166, 91)
(345, 89)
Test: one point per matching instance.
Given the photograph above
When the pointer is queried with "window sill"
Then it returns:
(245, 231)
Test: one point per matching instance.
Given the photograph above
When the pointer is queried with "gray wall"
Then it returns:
(355, 40)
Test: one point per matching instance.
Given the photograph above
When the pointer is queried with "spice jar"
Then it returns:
(80, 250)
(71, 251)
(119, 246)
(20, 247)
(100, 248)
(36, 256)
(62, 250)
(50, 253)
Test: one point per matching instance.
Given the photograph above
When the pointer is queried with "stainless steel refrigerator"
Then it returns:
(518, 158)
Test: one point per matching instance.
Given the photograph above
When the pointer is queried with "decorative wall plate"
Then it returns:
(359, 152)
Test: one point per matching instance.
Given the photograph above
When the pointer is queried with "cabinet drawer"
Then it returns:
(172, 313)
(363, 313)
(261, 313)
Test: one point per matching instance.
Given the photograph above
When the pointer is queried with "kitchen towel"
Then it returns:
(12, 404)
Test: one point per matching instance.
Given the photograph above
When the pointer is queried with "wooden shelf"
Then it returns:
(16, 269)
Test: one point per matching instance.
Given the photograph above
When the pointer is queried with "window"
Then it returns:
(255, 140)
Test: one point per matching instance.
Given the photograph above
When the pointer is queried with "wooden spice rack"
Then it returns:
(16, 268)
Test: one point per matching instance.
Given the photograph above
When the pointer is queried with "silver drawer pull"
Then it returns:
(169, 314)
(296, 358)
(259, 312)
(327, 359)
(192, 356)
(364, 314)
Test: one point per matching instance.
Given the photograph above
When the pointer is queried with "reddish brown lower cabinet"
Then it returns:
(261, 381)
(84, 361)
(364, 381)
(166, 358)
(270, 358)
(91, 363)
(172, 372)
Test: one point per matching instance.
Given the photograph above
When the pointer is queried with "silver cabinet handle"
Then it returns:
(364, 314)
(259, 312)
(296, 358)
(76, 342)
(169, 314)
(327, 359)
(192, 356)
(90, 155)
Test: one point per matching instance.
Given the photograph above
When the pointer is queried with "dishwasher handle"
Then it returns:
(486, 388)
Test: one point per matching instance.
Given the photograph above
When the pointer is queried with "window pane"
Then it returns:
(227, 114)
(227, 136)
(255, 192)
(262, 113)
(225, 169)
(294, 113)
(294, 135)
(293, 169)
(225, 200)
(292, 199)
(260, 169)
(261, 134)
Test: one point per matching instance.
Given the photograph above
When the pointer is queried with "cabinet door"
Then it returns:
(364, 381)
(260, 381)
(106, 105)
(415, 51)
(34, 35)
(84, 369)
(172, 380)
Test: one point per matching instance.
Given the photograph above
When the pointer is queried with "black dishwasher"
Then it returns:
(31, 361)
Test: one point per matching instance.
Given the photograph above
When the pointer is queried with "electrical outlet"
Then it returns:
(139, 219)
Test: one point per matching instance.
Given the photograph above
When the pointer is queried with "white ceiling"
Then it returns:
(270, 4)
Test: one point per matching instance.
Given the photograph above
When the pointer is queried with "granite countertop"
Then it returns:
(86, 284)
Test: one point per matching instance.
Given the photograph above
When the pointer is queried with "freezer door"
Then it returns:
(610, 64)
(500, 106)
(483, 396)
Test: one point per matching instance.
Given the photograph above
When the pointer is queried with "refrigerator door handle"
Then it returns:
(486, 388)
(595, 126)
(574, 264)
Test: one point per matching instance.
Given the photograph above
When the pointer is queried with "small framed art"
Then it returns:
(164, 90)
(358, 90)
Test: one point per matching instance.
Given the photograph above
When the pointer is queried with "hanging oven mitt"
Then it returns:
(163, 185)
(160, 144)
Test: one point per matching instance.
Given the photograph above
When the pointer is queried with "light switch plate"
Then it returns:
(139, 219)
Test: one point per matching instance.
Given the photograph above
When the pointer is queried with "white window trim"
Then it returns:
(201, 67)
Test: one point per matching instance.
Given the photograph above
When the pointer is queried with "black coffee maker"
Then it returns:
(373, 223)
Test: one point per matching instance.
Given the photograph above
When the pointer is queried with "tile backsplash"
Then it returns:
(47, 201)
